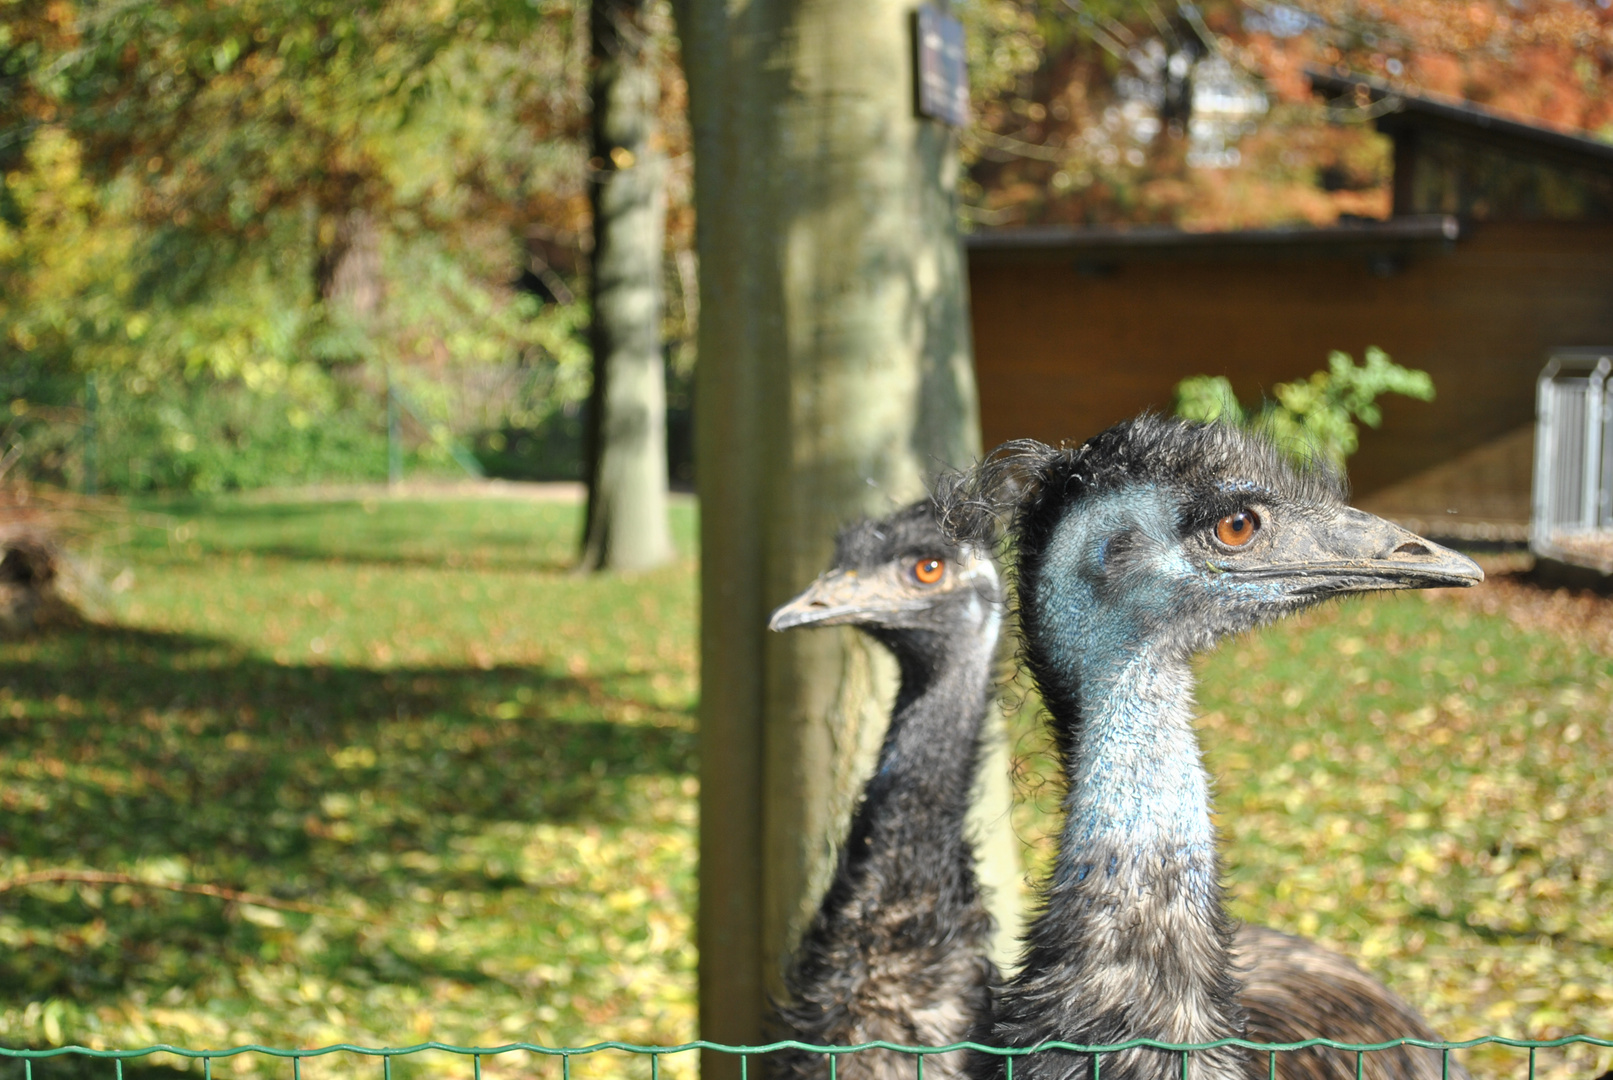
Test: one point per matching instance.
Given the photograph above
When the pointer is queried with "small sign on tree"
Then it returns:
(940, 67)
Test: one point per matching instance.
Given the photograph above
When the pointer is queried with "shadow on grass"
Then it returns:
(127, 749)
(182, 719)
(539, 537)
(543, 563)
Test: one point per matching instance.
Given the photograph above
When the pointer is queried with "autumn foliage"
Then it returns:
(1074, 138)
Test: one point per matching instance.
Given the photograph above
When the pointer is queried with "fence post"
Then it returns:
(1590, 479)
(394, 436)
(1596, 452)
(1545, 440)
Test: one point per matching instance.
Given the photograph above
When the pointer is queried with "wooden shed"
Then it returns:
(1500, 249)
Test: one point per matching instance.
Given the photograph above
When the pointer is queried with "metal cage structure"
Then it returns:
(1573, 482)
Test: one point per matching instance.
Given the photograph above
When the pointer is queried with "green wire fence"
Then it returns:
(834, 1053)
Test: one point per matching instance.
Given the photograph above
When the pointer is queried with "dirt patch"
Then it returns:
(1578, 615)
(1586, 549)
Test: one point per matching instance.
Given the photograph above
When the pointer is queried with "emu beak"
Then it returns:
(1353, 551)
(836, 598)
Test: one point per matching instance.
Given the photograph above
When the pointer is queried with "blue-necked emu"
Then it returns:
(1131, 553)
(897, 949)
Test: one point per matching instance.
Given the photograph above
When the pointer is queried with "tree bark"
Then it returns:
(347, 274)
(834, 379)
(626, 525)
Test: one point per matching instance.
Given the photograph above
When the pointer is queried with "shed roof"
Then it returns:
(1393, 107)
(1096, 247)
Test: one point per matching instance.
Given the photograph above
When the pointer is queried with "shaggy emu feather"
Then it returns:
(1131, 553)
(897, 950)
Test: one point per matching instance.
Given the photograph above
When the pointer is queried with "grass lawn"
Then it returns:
(461, 781)
(473, 770)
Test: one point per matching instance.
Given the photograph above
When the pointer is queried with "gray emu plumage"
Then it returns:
(1131, 553)
(897, 949)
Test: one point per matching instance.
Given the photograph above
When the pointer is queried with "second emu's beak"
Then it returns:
(835, 598)
(1352, 551)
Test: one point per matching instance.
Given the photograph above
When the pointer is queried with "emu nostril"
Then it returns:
(1410, 548)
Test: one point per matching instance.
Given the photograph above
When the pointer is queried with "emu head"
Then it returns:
(1178, 534)
(898, 575)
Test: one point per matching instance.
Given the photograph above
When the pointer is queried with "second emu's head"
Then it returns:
(900, 577)
(1177, 534)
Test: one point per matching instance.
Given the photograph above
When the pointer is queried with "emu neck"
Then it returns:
(1132, 940)
(1101, 620)
(896, 951)
(1136, 787)
(928, 758)
(905, 890)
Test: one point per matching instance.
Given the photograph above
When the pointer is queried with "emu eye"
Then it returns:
(1236, 530)
(929, 571)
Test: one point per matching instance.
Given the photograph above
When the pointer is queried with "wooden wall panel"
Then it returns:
(1061, 355)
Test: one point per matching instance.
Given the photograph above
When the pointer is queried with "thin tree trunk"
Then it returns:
(834, 379)
(348, 272)
(627, 525)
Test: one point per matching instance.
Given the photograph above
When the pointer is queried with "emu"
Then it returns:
(897, 949)
(1132, 553)
(1291, 989)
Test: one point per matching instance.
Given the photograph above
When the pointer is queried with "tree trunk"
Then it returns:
(627, 472)
(834, 379)
(348, 272)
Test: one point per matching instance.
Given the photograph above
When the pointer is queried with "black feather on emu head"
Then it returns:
(1023, 481)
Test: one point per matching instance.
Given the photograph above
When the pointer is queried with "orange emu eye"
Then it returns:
(1236, 530)
(929, 571)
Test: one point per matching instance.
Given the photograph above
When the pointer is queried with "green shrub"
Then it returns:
(551, 449)
(200, 435)
(209, 437)
(1312, 418)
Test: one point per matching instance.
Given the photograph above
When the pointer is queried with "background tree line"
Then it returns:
(243, 219)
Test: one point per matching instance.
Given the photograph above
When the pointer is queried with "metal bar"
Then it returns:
(1531, 1063)
(476, 1067)
(834, 1065)
(744, 1067)
(1184, 1065)
(386, 1066)
(1601, 509)
(1445, 1065)
(296, 1068)
(1604, 509)
(1540, 509)
(565, 1067)
(1271, 1069)
(394, 436)
(396, 395)
(92, 401)
(1008, 1061)
(1360, 1065)
(920, 1058)
(655, 1067)
(1592, 448)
